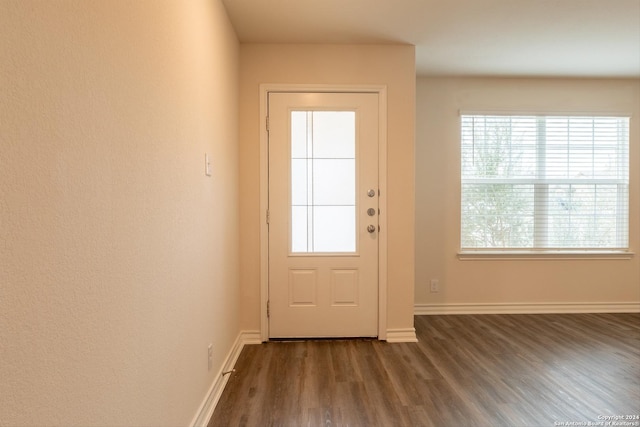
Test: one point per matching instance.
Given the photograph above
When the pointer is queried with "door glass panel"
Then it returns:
(334, 228)
(299, 134)
(334, 134)
(300, 227)
(299, 188)
(323, 181)
(334, 182)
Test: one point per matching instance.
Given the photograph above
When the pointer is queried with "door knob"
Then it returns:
(371, 228)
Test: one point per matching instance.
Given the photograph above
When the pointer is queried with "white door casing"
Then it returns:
(325, 215)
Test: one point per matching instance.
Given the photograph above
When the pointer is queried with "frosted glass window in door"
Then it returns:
(323, 182)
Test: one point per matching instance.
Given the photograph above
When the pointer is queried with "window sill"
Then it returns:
(544, 255)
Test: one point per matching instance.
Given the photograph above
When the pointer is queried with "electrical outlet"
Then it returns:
(435, 285)
(210, 356)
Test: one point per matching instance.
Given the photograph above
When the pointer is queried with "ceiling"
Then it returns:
(533, 38)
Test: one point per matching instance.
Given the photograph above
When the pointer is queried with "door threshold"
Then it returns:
(320, 339)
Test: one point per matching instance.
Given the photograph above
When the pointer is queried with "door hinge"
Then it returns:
(268, 216)
(267, 123)
(268, 310)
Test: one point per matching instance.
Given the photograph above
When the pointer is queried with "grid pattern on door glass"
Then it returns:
(323, 181)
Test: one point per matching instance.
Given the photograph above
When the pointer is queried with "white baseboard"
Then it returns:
(402, 335)
(517, 308)
(251, 337)
(210, 401)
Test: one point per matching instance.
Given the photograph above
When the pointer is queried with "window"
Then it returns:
(544, 183)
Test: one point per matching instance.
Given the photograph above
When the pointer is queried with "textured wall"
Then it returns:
(118, 257)
(439, 101)
(390, 65)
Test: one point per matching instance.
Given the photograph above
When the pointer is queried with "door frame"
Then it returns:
(381, 90)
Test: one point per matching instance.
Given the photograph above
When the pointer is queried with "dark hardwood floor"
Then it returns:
(472, 370)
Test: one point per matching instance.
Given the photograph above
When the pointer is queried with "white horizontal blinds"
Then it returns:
(549, 182)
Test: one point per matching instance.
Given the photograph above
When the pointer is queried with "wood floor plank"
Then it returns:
(472, 370)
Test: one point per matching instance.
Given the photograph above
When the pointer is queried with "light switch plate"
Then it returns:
(207, 165)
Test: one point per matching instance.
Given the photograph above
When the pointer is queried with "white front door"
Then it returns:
(323, 215)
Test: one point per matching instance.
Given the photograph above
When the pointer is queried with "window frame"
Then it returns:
(541, 185)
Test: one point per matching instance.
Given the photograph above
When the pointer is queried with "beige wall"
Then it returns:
(438, 196)
(390, 65)
(118, 256)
